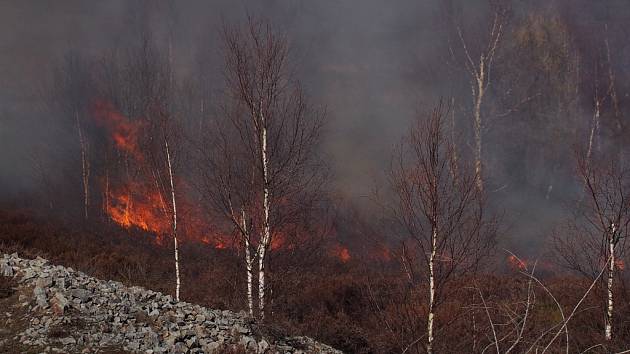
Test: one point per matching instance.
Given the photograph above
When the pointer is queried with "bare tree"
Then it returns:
(138, 86)
(164, 166)
(478, 63)
(262, 171)
(601, 97)
(164, 141)
(597, 234)
(440, 214)
(71, 97)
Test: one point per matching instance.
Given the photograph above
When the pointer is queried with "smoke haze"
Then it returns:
(372, 64)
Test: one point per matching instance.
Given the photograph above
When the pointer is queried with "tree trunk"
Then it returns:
(454, 162)
(431, 315)
(594, 131)
(478, 126)
(261, 284)
(106, 194)
(266, 237)
(174, 221)
(85, 167)
(609, 284)
(248, 265)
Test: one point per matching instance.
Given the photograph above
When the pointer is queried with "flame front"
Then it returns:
(143, 210)
(134, 200)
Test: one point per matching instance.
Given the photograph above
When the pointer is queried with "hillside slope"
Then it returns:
(48, 308)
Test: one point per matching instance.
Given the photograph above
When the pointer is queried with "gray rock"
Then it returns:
(238, 329)
(249, 343)
(40, 297)
(39, 261)
(111, 314)
(29, 273)
(44, 282)
(263, 346)
(67, 341)
(60, 283)
(80, 294)
(6, 269)
(211, 347)
(58, 304)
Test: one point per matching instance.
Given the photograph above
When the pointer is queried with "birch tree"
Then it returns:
(71, 97)
(164, 162)
(263, 171)
(478, 63)
(164, 141)
(440, 214)
(140, 83)
(226, 182)
(595, 237)
(605, 99)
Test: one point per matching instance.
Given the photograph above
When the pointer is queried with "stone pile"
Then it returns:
(68, 311)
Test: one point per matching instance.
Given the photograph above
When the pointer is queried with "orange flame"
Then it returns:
(619, 263)
(124, 132)
(344, 255)
(517, 263)
(144, 210)
(340, 252)
(138, 202)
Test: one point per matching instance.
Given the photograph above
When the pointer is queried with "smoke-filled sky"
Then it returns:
(360, 60)
(372, 63)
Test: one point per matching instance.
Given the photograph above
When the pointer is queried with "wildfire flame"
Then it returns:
(144, 211)
(341, 253)
(344, 255)
(619, 263)
(137, 202)
(517, 263)
(123, 131)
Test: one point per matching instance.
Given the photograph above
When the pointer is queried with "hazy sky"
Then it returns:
(360, 61)
(372, 63)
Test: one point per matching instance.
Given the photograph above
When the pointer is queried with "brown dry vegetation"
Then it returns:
(359, 307)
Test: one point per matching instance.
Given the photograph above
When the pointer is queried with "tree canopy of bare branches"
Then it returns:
(261, 168)
(438, 209)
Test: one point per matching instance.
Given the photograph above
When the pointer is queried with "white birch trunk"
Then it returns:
(106, 193)
(480, 80)
(431, 315)
(478, 124)
(248, 265)
(594, 130)
(174, 221)
(266, 237)
(261, 283)
(85, 167)
(609, 283)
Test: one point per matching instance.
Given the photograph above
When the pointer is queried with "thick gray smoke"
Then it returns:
(373, 64)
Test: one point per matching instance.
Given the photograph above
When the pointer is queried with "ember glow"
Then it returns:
(619, 263)
(342, 253)
(517, 263)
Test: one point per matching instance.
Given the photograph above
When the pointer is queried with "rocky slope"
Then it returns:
(48, 308)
